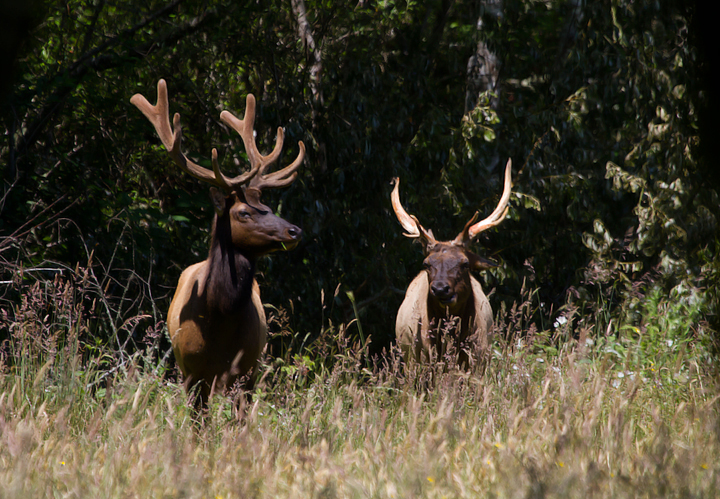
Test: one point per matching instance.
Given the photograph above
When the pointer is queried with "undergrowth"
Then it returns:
(582, 408)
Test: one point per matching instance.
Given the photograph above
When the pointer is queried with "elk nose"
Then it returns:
(440, 290)
(294, 233)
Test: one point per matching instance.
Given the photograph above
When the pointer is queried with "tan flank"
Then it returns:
(445, 303)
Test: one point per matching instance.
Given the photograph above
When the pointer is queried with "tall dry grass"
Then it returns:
(629, 412)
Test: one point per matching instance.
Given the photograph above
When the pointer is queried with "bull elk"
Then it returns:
(445, 299)
(216, 320)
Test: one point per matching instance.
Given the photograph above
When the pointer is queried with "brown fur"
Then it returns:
(216, 319)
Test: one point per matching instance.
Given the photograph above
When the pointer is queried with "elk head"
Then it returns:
(241, 217)
(448, 264)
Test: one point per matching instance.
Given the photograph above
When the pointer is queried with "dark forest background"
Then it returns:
(606, 109)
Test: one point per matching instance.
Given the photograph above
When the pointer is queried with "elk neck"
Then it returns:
(440, 316)
(440, 311)
(230, 272)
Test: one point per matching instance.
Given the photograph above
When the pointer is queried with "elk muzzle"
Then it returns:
(443, 293)
(274, 234)
(293, 236)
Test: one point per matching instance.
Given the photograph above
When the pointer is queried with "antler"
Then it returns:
(409, 222)
(159, 116)
(497, 216)
(258, 162)
(414, 229)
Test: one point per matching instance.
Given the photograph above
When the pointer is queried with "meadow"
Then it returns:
(601, 379)
(587, 408)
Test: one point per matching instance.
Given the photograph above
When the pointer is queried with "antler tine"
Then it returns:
(159, 116)
(245, 128)
(500, 212)
(259, 164)
(280, 178)
(409, 222)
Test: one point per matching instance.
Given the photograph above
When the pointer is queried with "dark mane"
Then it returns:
(230, 273)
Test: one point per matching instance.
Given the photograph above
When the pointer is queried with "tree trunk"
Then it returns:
(483, 68)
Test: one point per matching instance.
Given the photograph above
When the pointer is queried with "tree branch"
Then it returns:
(98, 60)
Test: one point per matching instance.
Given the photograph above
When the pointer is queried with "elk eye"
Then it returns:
(243, 214)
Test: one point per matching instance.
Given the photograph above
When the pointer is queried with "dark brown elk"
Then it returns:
(445, 304)
(216, 320)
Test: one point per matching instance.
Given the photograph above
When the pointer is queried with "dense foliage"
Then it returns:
(598, 104)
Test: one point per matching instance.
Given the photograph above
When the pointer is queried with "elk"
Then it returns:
(216, 319)
(445, 303)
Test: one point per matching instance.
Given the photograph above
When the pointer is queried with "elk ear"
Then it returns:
(218, 200)
(252, 196)
(479, 263)
(426, 237)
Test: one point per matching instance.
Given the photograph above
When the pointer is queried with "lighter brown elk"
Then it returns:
(445, 304)
(216, 319)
